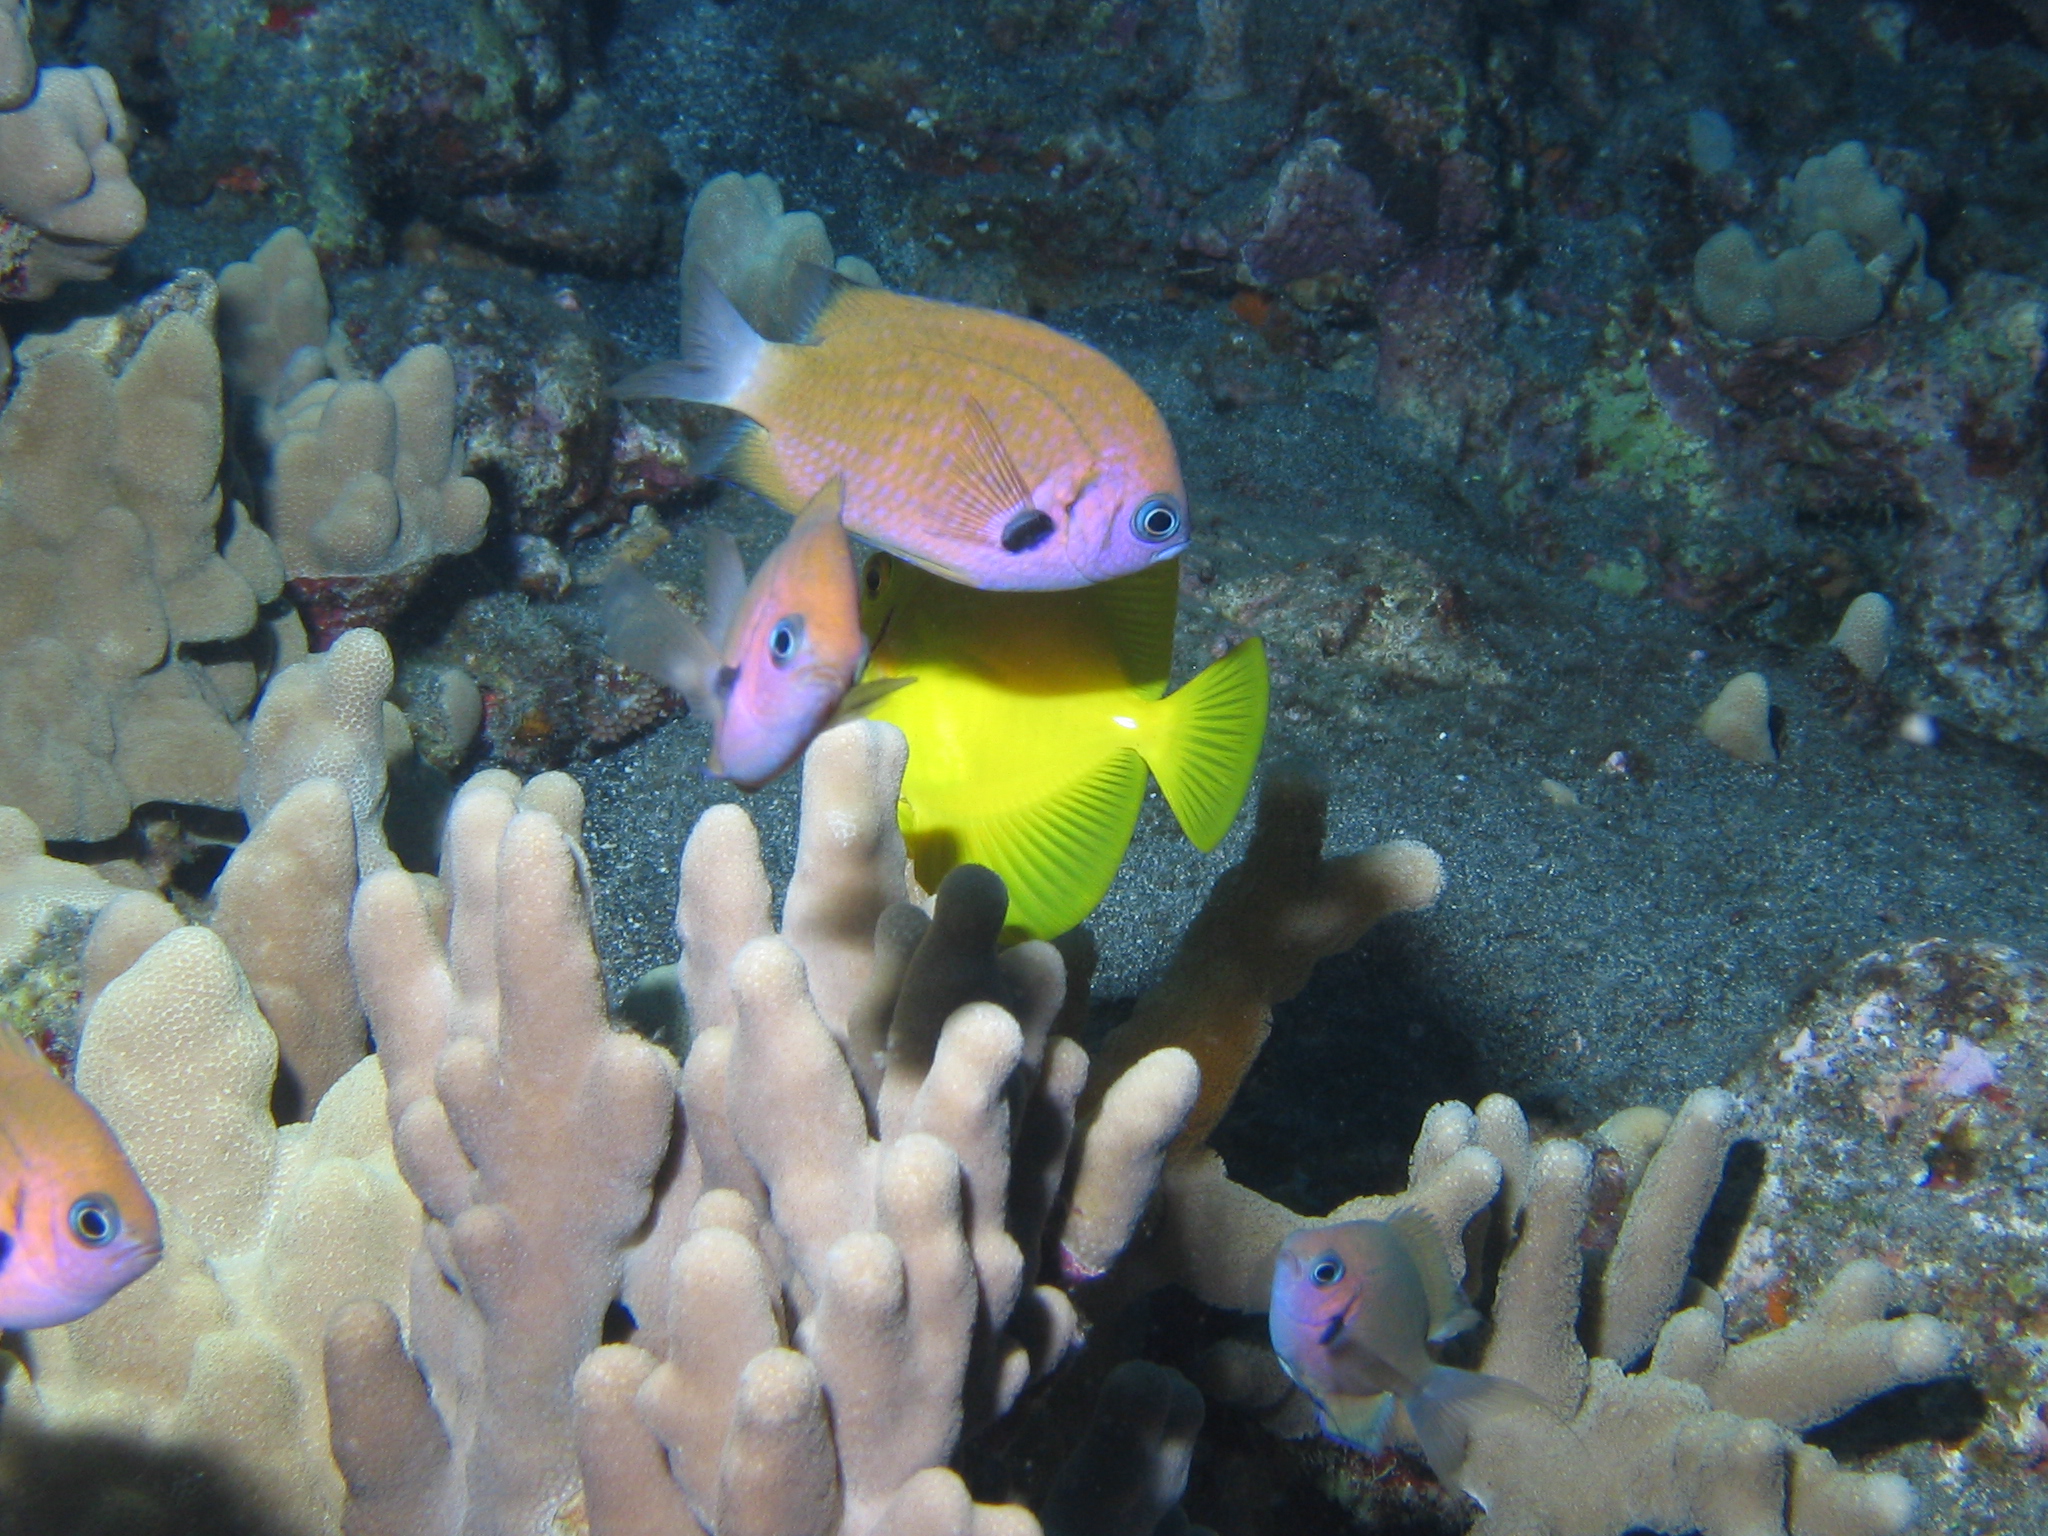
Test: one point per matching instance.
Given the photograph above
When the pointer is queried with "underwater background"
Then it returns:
(1512, 459)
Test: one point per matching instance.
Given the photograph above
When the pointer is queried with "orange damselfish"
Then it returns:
(781, 652)
(75, 1223)
(986, 448)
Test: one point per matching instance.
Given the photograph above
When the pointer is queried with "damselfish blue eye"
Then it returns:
(1327, 1270)
(1157, 521)
(95, 1220)
(784, 639)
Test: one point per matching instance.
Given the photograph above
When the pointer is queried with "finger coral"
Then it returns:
(839, 1277)
(1702, 1435)
(132, 637)
(67, 206)
(1851, 247)
(899, 1122)
(363, 488)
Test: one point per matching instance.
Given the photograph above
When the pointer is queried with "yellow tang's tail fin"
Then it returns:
(1057, 856)
(1206, 742)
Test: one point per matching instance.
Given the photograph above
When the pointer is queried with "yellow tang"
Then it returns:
(1032, 718)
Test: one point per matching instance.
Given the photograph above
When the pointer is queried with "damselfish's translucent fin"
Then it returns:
(1057, 855)
(831, 302)
(14, 1043)
(812, 289)
(1450, 1314)
(725, 585)
(1137, 612)
(1449, 1404)
(745, 458)
(720, 354)
(1360, 1421)
(1202, 743)
(866, 694)
(648, 633)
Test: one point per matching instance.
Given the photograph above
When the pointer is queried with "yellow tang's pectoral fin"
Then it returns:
(1057, 856)
(1203, 742)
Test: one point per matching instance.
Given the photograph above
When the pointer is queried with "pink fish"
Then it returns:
(777, 655)
(986, 448)
(1355, 1307)
(75, 1223)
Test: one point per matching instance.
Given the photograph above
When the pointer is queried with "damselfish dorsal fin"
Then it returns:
(1449, 1313)
(648, 633)
(725, 586)
(1057, 855)
(829, 302)
(13, 1043)
(720, 354)
(1137, 617)
(1203, 742)
(812, 289)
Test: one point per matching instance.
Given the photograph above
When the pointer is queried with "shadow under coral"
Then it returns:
(113, 1485)
(1355, 1061)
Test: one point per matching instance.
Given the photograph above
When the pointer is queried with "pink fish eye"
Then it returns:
(785, 637)
(95, 1220)
(1327, 1270)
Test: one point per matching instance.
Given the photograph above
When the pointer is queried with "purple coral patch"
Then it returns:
(1965, 1068)
(1323, 216)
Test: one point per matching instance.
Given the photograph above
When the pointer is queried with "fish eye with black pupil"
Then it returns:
(1156, 521)
(1026, 531)
(1327, 1270)
(94, 1221)
(785, 637)
(873, 575)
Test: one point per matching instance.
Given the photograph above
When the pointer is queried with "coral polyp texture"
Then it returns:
(67, 206)
(364, 489)
(1851, 247)
(133, 630)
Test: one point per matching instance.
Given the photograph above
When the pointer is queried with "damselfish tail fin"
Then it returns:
(1207, 742)
(648, 633)
(720, 353)
(1450, 1404)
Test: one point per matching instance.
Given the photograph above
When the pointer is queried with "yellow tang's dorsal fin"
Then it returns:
(1203, 742)
(1137, 615)
(1450, 1313)
(1059, 854)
